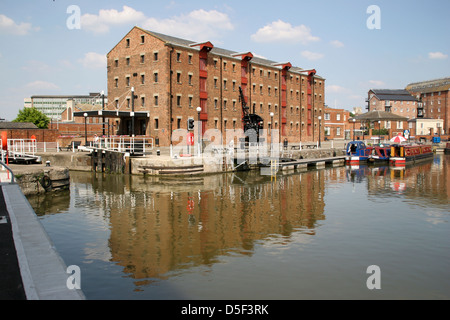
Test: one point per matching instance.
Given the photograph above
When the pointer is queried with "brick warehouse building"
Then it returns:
(434, 94)
(171, 77)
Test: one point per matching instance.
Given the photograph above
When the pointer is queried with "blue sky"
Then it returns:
(40, 54)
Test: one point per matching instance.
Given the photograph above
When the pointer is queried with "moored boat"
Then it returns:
(403, 154)
(357, 152)
(381, 153)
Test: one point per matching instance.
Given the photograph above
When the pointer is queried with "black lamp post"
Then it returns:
(354, 120)
(132, 111)
(271, 131)
(85, 129)
(379, 132)
(103, 109)
(320, 144)
(199, 129)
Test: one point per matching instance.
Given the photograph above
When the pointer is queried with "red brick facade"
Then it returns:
(41, 135)
(172, 77)
(336, 124)
(400, 102)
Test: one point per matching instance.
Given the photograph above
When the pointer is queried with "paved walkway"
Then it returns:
(11, 286)
(30, 267)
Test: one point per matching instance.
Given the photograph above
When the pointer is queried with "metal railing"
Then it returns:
(125, 144)
(6, 176)
(22, 146)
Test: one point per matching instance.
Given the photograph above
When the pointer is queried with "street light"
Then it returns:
(271, 129)
(320, 118)
(103, 109)
(85, 129)
(379, 132)
(354, 120)
(199, 109)
(132, 111)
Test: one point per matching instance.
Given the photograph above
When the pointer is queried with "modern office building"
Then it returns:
(170, 78)
(54, 105)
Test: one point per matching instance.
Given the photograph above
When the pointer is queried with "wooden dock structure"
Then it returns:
(286, 164)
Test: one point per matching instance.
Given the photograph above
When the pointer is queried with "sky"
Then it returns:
(59, 47)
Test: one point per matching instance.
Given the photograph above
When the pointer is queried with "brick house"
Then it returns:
(397, 101)
(336, 124)
(171, 77)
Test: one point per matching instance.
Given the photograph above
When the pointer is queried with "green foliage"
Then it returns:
(34, 116)
(381, 132)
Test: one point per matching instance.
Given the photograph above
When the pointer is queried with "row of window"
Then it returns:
(234, 104)
(234, 123)
(388, 102)
(262, 72)
(128, 41)
(327, 117)
(225, 85)
(431, 103)
(432, 94)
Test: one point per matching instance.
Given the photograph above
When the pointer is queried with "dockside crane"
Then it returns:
(250, 121)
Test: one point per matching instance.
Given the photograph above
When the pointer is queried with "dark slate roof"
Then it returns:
(393, 94)
(17, 125)
(380, 115)
(218, 51)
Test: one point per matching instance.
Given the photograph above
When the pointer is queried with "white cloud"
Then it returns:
(106, 18)
(93, 60)
(336, 44)
(35, 66)
(356, 97)
(437, 55)
(198, 25)
(280, 31)
(376, 83)
(9, 26)
(312, 55)
(334, 88)
(41, 85)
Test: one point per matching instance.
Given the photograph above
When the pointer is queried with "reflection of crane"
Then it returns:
(251, 121)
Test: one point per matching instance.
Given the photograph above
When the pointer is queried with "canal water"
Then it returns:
(297, 235)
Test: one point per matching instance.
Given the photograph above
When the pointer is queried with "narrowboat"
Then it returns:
(381, 153)
(357, 152)
(404, 154)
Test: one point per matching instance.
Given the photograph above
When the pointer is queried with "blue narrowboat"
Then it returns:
(357, 152)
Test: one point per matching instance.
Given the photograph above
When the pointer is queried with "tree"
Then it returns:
(33, 115)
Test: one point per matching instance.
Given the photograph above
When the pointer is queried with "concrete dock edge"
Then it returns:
(42, 269)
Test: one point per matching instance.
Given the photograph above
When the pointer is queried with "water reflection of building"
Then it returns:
(155, 230)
